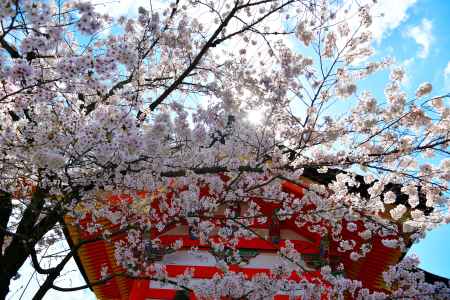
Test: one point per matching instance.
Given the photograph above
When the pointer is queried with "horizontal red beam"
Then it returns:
(205, 272)
(303, 247)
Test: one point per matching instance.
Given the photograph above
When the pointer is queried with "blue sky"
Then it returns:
(415, 33)
(422, 44)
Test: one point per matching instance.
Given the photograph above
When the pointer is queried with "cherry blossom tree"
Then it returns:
(93, 106)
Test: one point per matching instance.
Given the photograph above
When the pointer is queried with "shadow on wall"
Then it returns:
(181, 295)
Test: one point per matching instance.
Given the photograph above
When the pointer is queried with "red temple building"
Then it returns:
(260, 254)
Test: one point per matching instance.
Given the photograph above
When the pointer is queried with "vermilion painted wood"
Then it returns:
(368, 269)
(141, 289)
(203, 272)
(301, 246)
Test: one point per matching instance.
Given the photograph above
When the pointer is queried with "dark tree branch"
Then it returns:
(5, 213)
(10, 49)
(112, 276)
(55, 272)
(210, 43)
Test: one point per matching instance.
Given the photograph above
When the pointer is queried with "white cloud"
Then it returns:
(447, 71)
(447, 77)
(407, 64)
(388, 15)
(423, 36)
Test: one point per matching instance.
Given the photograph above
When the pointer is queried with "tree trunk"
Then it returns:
(4, 283)
(17, 252)
(29, 231)
(10, 263)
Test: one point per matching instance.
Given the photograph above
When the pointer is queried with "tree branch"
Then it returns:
(210, 43)
(5, 213)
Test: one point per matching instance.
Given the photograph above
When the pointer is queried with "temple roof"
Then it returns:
(92, 256)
